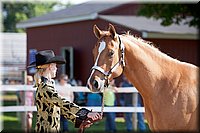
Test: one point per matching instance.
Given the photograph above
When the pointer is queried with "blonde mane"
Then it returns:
(149, 47)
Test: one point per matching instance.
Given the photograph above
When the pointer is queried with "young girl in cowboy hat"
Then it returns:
(49, 103)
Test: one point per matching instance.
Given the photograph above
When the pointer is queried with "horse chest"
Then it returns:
(170, 114)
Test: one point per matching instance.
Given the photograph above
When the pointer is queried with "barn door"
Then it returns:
(68, 68)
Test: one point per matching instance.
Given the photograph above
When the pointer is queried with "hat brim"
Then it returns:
(56, 59)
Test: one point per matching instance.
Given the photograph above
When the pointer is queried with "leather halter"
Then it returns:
(120, 62)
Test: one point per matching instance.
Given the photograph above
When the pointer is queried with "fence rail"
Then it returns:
(5, 88)
(96, 109)
(15, 88)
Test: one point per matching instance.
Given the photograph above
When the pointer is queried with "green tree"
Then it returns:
(173, 13)
(16, 12)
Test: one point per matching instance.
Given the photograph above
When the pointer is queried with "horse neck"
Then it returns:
(144, 65)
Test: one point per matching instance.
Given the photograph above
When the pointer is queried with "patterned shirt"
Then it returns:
(50, 105)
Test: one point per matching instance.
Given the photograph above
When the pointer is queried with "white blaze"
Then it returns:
(101, 48)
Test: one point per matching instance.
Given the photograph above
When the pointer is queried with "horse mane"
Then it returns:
(150, 46)
(128, 34)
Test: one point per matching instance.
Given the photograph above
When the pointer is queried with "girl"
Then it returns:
(50, 105)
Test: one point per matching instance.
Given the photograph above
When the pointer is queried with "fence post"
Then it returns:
(134, 116)
(24, 114)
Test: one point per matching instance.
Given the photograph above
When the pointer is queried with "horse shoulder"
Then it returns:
(189, 87)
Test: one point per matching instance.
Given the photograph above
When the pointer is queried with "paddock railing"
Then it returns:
(24, 109)
(17, 88)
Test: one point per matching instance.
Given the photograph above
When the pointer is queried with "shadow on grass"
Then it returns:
(12, 124)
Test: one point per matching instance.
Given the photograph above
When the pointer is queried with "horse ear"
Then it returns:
(112, 30)
(97, 31)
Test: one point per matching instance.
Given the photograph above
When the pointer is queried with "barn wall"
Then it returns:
(79, 35)
(183, 50)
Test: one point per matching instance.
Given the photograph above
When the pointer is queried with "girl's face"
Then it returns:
(53, 70)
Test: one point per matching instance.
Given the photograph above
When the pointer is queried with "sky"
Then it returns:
(74, 1)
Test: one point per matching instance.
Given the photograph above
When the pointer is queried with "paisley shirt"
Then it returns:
(50, 105)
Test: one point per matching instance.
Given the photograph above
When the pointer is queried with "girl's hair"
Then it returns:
(38, 74)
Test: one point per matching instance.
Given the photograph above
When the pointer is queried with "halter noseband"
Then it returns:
(121, 61)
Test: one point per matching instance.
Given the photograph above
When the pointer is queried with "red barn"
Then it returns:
(69, 33)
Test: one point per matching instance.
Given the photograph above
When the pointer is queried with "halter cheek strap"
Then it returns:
(122, 49)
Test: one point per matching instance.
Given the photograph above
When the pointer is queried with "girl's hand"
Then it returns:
(92, 117)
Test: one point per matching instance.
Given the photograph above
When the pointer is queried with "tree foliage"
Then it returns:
(16, 12)
(173, 13)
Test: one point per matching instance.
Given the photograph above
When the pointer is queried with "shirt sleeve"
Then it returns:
(69, 110)
(53, 97)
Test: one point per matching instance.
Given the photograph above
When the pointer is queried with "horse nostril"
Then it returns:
(95, 84)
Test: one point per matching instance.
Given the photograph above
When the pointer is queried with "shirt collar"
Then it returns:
(45, 80)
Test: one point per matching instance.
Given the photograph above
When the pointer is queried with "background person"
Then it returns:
(127, 101)
(50, 105)
(68, 95)
(94, 99)
(80, 97)
(29, 102)
(109, 101)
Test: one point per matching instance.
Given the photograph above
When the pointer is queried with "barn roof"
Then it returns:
(152, 28)
(149, 27)
(85, 11)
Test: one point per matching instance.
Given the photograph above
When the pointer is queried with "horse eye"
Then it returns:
(111, 53)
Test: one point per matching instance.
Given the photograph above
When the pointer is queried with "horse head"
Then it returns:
(108, 57)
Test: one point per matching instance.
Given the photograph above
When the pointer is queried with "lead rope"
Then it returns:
(103, 101)
(82, 130)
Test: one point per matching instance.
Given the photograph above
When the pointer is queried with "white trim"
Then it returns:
(58, 21)
(169, 36)
(95, 109)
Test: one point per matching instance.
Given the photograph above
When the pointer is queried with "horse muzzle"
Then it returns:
(96, 84)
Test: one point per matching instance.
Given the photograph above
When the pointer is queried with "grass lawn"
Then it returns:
(12, 122)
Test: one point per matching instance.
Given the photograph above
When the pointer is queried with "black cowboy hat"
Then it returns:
(46, 57)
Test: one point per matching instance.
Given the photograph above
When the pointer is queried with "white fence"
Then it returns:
(15, 88)
(25, 109)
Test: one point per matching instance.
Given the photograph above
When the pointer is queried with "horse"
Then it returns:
(169, 87)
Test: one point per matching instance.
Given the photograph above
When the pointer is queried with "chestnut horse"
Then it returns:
(169, 87)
